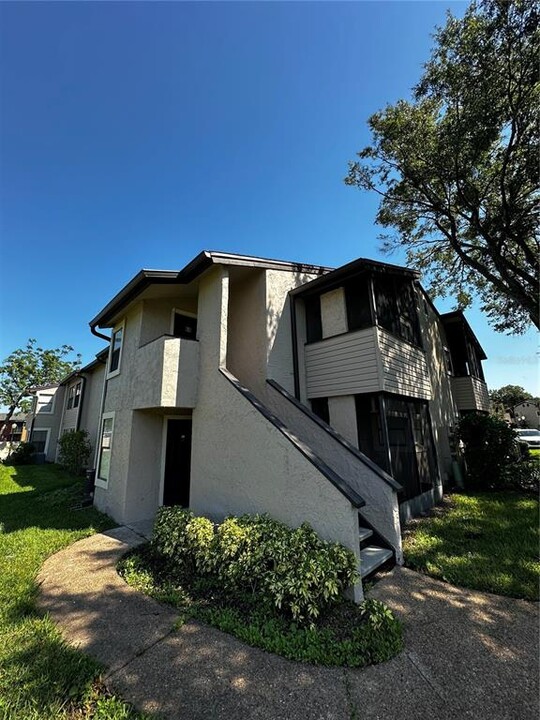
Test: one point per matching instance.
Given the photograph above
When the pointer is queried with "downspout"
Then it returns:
(294, 347)
(79, 409)
(103, 394)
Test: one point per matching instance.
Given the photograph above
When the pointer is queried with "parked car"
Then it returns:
(531, 437)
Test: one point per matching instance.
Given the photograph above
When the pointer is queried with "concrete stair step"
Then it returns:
(364, 533)
(373, 557)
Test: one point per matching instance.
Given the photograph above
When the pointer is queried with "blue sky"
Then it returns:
(137, 134)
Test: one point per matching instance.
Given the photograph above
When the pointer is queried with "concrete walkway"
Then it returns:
(468, 654)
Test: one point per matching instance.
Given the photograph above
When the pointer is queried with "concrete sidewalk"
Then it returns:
(467, 654)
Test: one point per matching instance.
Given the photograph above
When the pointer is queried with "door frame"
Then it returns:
(166, 419)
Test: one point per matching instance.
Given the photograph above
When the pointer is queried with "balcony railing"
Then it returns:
(470, 393)
(369, 360)
(166, 374)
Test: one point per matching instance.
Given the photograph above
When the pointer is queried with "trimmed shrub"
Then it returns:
(75, 450)
(294, 569)
(184, 539)
(490, 450)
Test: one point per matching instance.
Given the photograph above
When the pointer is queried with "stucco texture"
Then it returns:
(240, 461)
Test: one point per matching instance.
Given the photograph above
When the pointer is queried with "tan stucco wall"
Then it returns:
(242, 463)
(157, 315)
(342, 411)
(381, 508)
(279, 332)
(247, 337)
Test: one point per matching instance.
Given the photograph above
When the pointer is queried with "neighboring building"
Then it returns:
(15, 430)
(43, 420)
(82, 399)
(240, 384)
(526, 415)
(73, 404)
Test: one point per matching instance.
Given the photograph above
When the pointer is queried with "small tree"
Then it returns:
(490, 450)
(30, 367)
(75, 450)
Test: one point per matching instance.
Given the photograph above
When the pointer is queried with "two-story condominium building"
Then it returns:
(240, 384)
(72, 404)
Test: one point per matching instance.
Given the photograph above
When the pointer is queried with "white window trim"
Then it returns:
(42, 429)
(100, 482)
(46, 412)
(179, 311)
(116, 372)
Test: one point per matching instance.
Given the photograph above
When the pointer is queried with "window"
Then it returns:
(105, 447)
(313, 319)
(45, 403)
(40, 440)
(77, 398)
(184, 326)
(116, 350)
(448, 361)
(71, 398)
(395, 300)
(358, 305)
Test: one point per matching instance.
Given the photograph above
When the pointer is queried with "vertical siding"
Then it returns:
(343, 365)
(405, 370)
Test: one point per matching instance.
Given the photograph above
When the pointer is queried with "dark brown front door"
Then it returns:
(177, 463)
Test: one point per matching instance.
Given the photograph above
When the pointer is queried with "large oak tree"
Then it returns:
(457, 168)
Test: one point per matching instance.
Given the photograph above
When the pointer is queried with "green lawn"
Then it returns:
(40, 676)
(483, 541)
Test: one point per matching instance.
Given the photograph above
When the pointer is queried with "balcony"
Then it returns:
(364, 361)
(166, 374)
(470, 393)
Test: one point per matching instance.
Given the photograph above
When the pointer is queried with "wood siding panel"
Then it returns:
(343, 365)
(470, 393)
(405, 370)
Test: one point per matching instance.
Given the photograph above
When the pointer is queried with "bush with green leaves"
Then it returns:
(22, 455)
(185, 540)
(491, 450)
(300, 573)
(75, 451)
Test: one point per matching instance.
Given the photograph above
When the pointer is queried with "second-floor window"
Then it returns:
(45, 403)
(396, 307)
(77, 398)
(74, 396)
(116, 350)
(184, 326)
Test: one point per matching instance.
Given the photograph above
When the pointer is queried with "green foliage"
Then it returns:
(457, 167)
(22, 455)
(297, 570)
(484, 541)
(344, 634)
(75, 450)
(41, 677)
(183, 539)
(490, 450)
(509, 395)
(30, 367)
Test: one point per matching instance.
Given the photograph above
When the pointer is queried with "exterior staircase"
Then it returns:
(374, 553)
